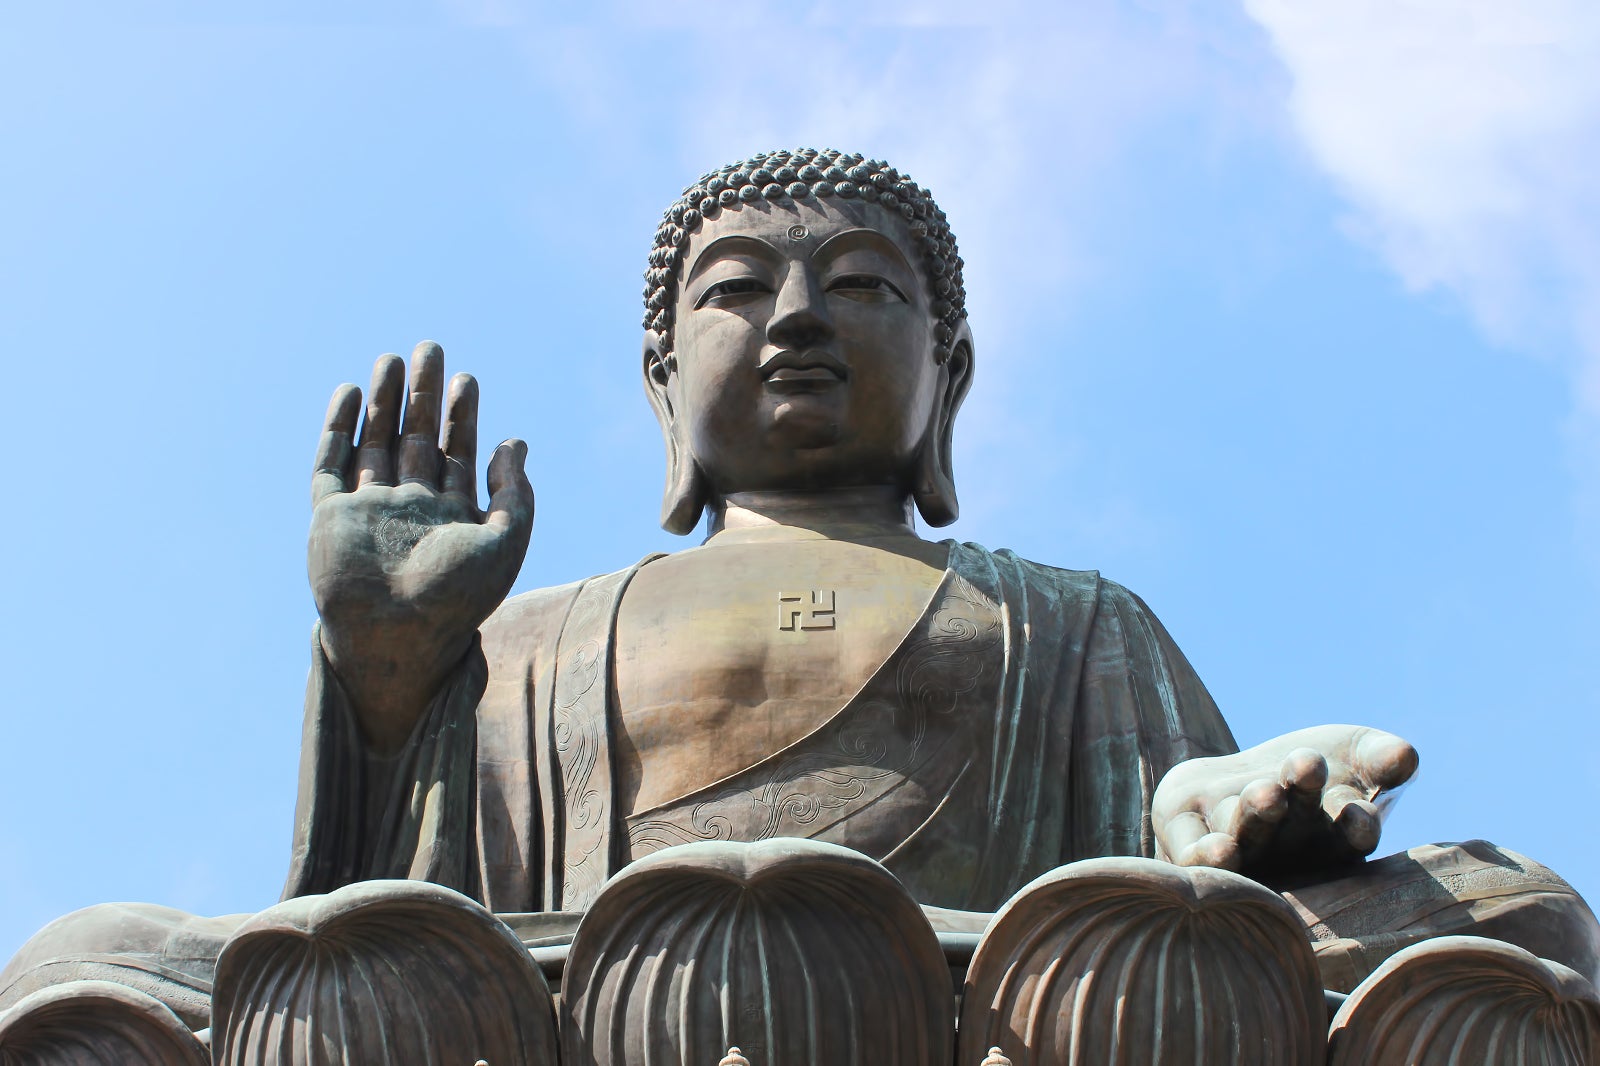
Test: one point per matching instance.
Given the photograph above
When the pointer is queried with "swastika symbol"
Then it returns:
(794, 613)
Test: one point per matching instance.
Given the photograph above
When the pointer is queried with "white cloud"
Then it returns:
(1466, 133)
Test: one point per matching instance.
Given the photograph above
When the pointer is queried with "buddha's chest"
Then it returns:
(725, 655)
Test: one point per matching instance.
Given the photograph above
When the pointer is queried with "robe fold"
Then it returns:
(1022, 723)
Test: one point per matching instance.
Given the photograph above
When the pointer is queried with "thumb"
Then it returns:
(510, 494)
(1384, 760)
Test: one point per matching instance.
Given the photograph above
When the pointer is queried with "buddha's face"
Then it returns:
(805, 351)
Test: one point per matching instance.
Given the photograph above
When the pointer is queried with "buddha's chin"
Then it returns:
(806, 421)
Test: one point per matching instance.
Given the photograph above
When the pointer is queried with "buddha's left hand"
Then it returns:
(1308, 801)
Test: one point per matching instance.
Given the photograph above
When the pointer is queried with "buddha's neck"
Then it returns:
(865, 513)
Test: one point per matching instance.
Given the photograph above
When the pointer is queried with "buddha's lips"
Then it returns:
(803, 371)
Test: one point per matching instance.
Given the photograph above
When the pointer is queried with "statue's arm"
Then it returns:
(1140, 710)
(404, 565)
(409, 814)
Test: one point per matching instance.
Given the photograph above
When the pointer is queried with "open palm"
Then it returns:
(1308, 801)
(404, 565)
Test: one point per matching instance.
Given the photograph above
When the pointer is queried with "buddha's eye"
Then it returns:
(865, 287)
(733, 287)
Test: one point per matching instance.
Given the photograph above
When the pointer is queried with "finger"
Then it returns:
(1383, 760)
(1180, 833)
(375, 452)
(1223, 814)
(1304, 774)
(419, 438)
(1354, 818)
(1260, 806)
(461, 438)
(332, 465)
(510, 495)
(1215, 849)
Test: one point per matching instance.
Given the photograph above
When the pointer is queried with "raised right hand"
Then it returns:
(404, 566)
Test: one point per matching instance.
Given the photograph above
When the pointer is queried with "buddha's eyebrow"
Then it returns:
(733, 244)
(842, 242)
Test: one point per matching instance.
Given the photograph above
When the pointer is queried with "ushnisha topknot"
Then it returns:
(802, 174)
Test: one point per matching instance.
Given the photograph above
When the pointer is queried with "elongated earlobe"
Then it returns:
(686, 494)
(934, 487)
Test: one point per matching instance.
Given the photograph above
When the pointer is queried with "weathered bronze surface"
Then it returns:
(967, 720)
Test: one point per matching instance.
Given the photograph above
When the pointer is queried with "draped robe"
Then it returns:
(1022, 723)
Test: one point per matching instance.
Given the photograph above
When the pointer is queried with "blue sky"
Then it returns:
(1285, 318)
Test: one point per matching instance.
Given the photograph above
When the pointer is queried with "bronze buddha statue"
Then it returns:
(815, 668)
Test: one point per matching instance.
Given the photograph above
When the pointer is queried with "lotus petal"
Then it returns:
(793, 951)
(1468, 999)
(95, 1023)
(380, 972)
(1138, 962)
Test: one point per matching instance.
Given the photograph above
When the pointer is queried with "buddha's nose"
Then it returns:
(800, 313)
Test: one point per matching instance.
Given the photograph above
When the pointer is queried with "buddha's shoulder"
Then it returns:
(1016, 569)
(1086, 588)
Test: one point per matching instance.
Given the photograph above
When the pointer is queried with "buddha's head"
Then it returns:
(805, 329)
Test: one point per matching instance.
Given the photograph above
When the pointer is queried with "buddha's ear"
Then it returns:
(935, 486)
(686, 493)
